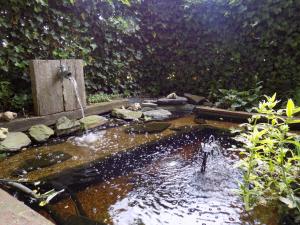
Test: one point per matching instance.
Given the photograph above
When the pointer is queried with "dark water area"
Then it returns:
(161, 184)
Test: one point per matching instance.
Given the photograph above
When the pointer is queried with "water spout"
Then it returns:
(208, 149)
(75, 86)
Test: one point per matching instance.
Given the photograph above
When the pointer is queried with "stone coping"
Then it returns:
(24, 124)
(15, 212)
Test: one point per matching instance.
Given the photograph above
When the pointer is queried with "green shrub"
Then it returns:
(234, 99)
(101, 97)
(184, 46)
(5, 95)
(271, 162)
(21, 102)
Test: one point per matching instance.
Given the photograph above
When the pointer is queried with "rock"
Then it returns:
(186, 108)
(42, 161)
(8, 116)
(194, 99)
(14, 141)
(172, 96)
(209, 104)
(158, 114)
(66, 126)
(126, 114)
(3, 133)
(150, 101)
(135, 107)
(149, 104)
(152, 127)
(145, 109)
(40, 132)
(93, 121)
(175, 101)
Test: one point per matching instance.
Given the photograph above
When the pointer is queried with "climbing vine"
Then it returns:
(155, 46)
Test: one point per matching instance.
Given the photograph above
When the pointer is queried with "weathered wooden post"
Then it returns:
(52, 93)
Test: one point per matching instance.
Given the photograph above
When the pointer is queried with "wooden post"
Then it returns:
(52, 93)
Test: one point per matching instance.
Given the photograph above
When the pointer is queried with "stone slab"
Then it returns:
(14, 212)
(24, 124)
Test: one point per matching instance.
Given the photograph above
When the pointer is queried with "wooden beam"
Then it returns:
(24, 124)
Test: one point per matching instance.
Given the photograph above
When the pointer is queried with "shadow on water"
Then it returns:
(165, 182)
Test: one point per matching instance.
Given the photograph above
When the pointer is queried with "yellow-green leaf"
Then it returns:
(289, 108)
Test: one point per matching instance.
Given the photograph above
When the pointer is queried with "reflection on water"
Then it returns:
(171, 190)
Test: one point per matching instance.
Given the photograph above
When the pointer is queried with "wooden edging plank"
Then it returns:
(24, 124)
(227, 115)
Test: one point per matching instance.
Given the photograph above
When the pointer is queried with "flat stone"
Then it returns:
(194, 99)
(93, 121)
(66, 126)
(150, 101)
(149, 104)
(186, 108)
(172, 101)
(126, 114)
(152, 127)
(14, 142)
(158, 114)
(40, 132)
(145, 109)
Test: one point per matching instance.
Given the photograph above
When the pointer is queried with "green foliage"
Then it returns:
(21, 101)
(271, 162)
(234, 99)
(12, 101)
(94, 30)
(156, 46)
(5, 94)
(101, 97)
(194, 45)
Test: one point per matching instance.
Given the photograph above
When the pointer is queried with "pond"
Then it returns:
(128, 176)
(161, 184)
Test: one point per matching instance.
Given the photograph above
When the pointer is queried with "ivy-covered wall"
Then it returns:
(153, 46)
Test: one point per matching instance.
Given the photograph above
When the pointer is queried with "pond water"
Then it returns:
(162, 184)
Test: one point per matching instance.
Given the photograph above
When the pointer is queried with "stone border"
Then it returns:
(24, 124)
(15, 212)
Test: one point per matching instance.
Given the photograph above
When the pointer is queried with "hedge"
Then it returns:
(154, 46)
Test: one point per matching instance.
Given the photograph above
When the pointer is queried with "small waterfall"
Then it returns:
(73, 81)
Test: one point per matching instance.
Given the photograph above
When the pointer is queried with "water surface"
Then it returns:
(168, 188)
